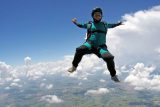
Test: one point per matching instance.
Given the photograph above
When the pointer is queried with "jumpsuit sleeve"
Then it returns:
(84, 25)
(112, 25)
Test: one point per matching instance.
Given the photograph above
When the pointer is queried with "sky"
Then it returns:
(42, 29)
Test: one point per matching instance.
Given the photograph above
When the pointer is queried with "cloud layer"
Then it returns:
(88, 65)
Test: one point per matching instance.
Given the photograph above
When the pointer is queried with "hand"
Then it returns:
(74, 20)
(120, 23)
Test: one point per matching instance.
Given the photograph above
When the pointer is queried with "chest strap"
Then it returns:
(97, 31)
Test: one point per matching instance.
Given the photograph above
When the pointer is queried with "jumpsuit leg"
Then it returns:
(80, 51)
(109, 59)
(111, 66)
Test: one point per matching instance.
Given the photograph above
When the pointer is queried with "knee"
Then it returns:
(81, 49)
(107, 57)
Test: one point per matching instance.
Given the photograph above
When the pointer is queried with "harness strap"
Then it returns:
(89, 32)
(97, 31)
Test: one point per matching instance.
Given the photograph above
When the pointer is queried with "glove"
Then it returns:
(74, 20)
(119, 23)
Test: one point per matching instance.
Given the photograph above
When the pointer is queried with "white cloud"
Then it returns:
(51, 99)
(124, 68)
(100, 91)
(102, 80)
(6, 74)
(4, 67)
(141, 77)
(89, 64)
(27, 61)
(16, 80)
(137, 38)
(157, 50)
(15, 85)
(49, 86)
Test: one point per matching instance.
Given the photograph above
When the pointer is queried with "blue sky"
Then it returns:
(42, 29)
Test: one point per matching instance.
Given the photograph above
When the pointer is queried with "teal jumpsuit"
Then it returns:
(96, 43)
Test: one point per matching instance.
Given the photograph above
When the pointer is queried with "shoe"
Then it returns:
(72, 69)
(115, 78)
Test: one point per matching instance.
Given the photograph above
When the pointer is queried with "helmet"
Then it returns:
(97, 9)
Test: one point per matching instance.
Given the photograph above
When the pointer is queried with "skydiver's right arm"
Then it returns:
(74, 20)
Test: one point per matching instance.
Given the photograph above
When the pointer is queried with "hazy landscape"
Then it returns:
(62, 91)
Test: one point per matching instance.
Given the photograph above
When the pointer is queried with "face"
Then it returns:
(97, 16)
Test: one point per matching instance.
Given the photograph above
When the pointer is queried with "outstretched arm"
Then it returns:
(74, 20)
(114, 25)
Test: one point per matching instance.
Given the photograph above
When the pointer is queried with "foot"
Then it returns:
(72, 69)
(115, 78)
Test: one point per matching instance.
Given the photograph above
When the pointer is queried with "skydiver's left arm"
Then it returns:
(114, 25)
